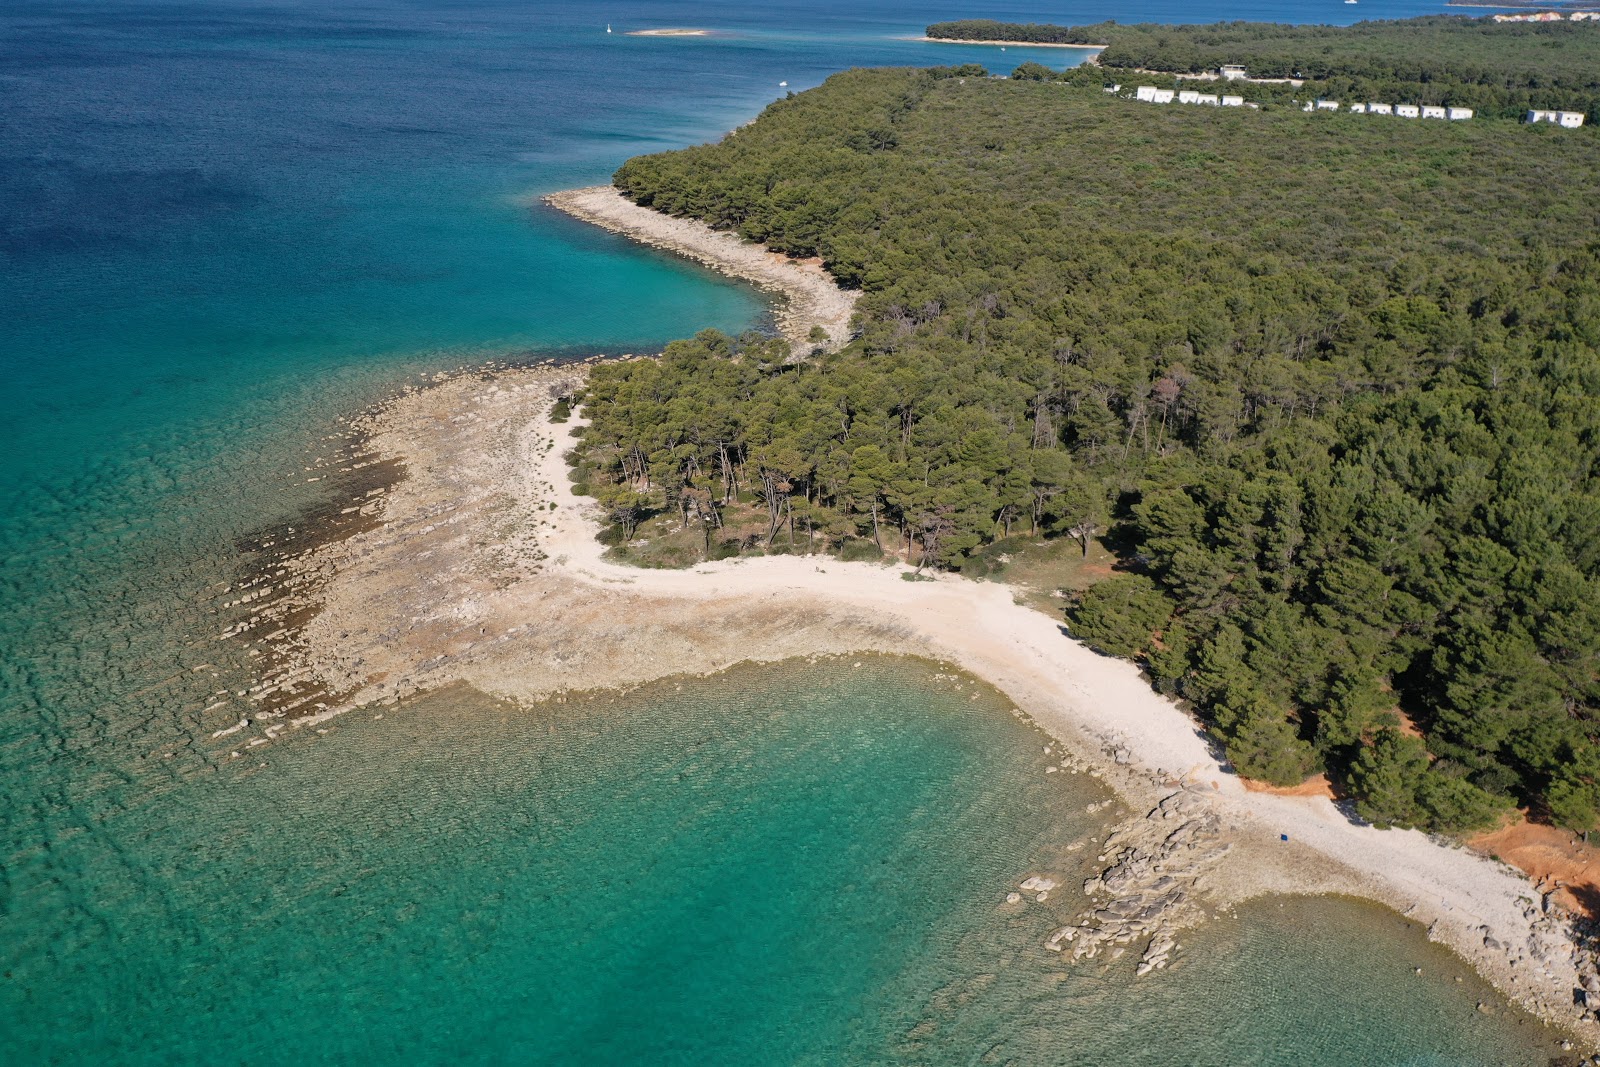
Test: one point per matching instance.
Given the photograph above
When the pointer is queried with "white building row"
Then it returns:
(1549, 16)
(1569, 119)
(1405, 111)
(1151, 95)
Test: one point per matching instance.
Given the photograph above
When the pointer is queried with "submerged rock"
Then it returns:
(1153, 867)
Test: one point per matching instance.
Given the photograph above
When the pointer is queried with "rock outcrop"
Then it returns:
(1151, 886)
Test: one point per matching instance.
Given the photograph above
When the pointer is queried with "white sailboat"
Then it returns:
(608, 27)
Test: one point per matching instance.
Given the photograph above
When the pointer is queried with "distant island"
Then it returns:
(989, 31)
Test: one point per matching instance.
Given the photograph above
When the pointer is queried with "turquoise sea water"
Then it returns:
(222, 227)
(783, 865)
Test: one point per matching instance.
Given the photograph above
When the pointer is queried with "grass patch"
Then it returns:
(858, 550)
(1042, 571)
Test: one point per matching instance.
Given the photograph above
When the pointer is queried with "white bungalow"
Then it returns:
(1232, 101)
(1147, 93)
(1429, 111)
(1456, 114)
(1188, 96)
(1569, 119)
(1327, 105)
(1380, 109)
(1232, 71)
(1408, 111)
(1358, 109)
(1209, 99)
(1162, 96)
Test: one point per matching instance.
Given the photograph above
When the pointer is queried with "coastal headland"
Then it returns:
(484, 569)
(1010, 44)
(808, 295)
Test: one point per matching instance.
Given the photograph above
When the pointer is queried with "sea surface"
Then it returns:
(224, 227)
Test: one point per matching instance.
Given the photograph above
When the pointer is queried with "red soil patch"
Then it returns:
(1408, 725)
(1315, 786)
(1556, 860)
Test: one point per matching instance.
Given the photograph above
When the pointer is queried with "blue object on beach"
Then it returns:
(1283, 837)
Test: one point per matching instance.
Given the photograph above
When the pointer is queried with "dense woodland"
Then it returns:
(1330, 389)
(1499, 69)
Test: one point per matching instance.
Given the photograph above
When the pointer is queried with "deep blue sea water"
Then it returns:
(223, 226)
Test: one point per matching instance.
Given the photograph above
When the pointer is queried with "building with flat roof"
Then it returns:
(1232, 101)
(1429, 111)
(1569, 119)
(1456, 114)
(1408, 111)
(1232, 71)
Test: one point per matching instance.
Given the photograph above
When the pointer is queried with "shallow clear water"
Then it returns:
(802, 864)
(223, 226)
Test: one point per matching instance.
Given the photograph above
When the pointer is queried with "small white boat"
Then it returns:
(608, 25)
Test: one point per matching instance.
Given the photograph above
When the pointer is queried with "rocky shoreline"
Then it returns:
(1150, 888)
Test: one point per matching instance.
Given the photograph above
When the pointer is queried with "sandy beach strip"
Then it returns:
(809, 294)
